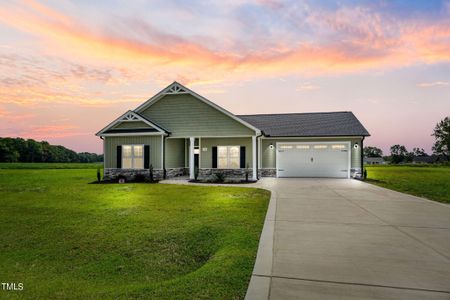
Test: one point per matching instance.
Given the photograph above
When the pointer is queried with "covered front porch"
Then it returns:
(206, 156)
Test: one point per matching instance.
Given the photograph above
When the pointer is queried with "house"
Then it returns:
(177, 132)
(428, 159)
(374, 161)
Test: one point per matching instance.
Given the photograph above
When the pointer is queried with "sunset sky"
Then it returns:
(68, 68)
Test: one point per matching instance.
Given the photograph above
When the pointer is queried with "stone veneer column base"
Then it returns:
(113, 173)
(267, 172)
(229, 173)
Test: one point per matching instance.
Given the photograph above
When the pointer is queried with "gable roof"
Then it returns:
(131, 116)
(308, 124)
(177, 88)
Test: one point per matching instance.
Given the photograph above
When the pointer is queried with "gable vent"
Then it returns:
(175, 89)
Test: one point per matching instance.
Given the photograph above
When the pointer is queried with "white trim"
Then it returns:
(162, 152)
(191, 157)
(175, 84)
(211, 137)
(311, 137)
(199, 152)
(349, 159)
(254, 157)
(259, 153)
(129, 116)
(132, 134)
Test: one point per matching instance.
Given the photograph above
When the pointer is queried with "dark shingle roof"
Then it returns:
(308, 124)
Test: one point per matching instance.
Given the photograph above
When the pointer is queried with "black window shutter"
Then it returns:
(214, 157)
(242, 157)
(147, 157)
(119, 157)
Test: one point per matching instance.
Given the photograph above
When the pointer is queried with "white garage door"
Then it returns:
(313, 159)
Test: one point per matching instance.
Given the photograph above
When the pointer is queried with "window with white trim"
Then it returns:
(132, 156)
(228, 157)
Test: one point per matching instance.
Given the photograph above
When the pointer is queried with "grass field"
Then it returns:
(64, 238)
(432, 182)
(50, 165)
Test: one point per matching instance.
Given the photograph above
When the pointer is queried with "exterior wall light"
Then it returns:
(356, 146)
(271, 146)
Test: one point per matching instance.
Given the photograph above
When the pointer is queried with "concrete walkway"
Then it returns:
(345, 239)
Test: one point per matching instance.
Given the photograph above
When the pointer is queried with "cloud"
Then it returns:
(432, 84)
(363, 40)
(307, 86)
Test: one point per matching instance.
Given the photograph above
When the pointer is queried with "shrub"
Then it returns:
(196, 173)
(219, 177)
(150, 170)
(139, 178)
(247, 172)
(99, 176)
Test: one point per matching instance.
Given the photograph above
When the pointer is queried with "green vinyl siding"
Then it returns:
(184, 116)
(208, 143)
(111, 144)
(269, 155)
(175, 153)
(127, 125)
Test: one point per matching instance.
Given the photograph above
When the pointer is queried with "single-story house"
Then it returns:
(177, 132)
(374, 161)
(428, 159)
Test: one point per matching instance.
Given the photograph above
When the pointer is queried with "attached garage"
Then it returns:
(319, 159)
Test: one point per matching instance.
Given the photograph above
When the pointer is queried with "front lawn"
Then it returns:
(64, 238)
(432, 182)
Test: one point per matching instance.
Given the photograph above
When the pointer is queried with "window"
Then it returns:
(286, 147)
(132, 156)
(320, 146)
(303, 147)
(338, 146)
(228, 157)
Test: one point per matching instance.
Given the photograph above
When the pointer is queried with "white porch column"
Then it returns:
(254, 157)
(191, 157)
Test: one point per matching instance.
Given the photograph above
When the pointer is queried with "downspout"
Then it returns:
(362, 158)
(257, 154)
(103, 146)
(164, 155)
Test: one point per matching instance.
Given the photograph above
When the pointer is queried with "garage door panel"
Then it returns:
(312, 160)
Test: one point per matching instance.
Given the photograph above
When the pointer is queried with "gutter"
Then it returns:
(362, 158)
(261, 133)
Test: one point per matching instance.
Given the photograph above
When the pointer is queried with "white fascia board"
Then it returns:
(310, 137)
(137, 116)
(133, 134)
(163, 93)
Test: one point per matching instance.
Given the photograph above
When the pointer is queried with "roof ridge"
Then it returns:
(305, 113)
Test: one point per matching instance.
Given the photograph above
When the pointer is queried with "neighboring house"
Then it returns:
(374, 161)
(177, 131)
(428, 159)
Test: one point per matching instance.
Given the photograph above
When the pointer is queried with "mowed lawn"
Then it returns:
(432, 182)
(64, 238)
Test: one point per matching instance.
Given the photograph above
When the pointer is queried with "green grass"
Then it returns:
(431, 182)
(50, 165)
(64, 238)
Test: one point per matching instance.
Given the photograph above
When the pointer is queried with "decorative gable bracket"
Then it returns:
(130, 117)
(175, 88)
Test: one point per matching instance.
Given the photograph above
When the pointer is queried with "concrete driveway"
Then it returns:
(345, 239)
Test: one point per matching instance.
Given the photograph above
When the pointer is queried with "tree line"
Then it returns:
(21, 150)
(399, 153)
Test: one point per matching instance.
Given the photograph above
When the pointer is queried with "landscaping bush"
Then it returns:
(196, 173)
(247, 172)
(151, 173)
(219, 177)
(99, 176)
(139, 178)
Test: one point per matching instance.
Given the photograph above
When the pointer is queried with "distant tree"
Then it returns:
(372, 152)
(419, 152)
(20, 150)
(398, 154)
(442, 135)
